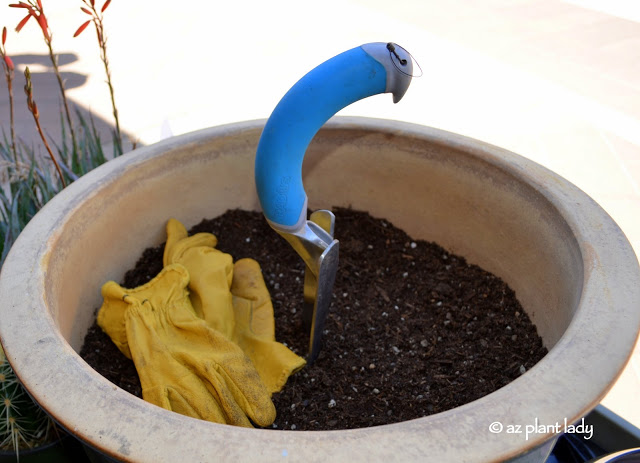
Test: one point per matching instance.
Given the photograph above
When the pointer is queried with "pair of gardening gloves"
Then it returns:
(201, 333)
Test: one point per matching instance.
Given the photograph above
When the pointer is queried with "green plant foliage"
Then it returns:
(28, 180)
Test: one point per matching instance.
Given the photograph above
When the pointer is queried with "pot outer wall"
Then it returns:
(571, 267)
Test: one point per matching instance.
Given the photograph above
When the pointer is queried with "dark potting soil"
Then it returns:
(412, 330)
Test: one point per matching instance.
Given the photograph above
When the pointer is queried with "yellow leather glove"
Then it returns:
(184, 365)
(234, 300)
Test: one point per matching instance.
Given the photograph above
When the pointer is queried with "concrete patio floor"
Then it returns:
(555, 81)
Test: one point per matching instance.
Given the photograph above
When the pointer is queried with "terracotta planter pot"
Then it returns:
(570, 265)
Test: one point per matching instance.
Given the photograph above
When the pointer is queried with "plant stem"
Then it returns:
(7, 65)
(46, 145)
(113, 101)
(64, 96)
(12, 123)
(103, 55)
(33, 108)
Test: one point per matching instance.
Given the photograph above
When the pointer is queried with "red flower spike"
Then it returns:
(42, 21)
(82, 28)
(26, 7)
(9, 63)
(23, 22)
(93, 2)
(104, 7)
(40, 5)
(86, 11)
(4, 35)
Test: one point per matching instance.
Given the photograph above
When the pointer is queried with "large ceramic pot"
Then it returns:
(571, 267)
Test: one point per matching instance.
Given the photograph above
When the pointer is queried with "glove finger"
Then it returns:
(175, 232)
(208, 409)
(249, 284)
(211, 273)
(233, 411)
(191, 399)
(274, 361)
(178, 241)
(249, 391)
(111, 315)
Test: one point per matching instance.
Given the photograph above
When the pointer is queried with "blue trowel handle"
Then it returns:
(344, 79)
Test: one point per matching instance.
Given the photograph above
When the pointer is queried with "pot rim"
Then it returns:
(611, 296)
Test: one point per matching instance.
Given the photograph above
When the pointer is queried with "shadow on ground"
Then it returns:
(46, 94)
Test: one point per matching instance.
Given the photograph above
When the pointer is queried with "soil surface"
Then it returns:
(413, 330)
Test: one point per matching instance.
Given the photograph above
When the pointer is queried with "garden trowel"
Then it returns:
(358, 73)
